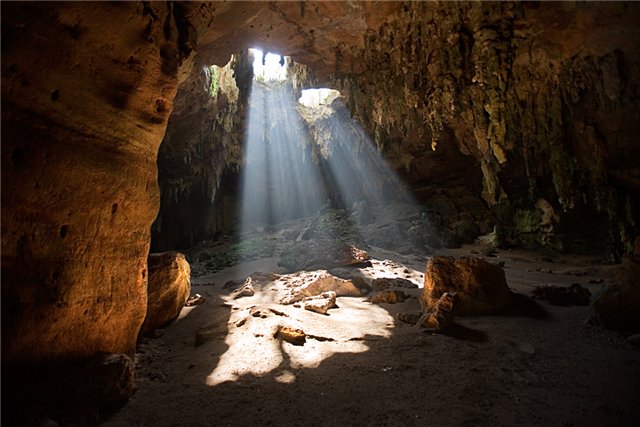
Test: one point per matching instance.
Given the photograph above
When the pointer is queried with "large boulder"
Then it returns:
(321, 254)
(619, 305)
(481, 287)
(168, 289)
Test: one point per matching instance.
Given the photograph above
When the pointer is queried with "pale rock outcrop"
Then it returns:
(320, 303)
(312, 284)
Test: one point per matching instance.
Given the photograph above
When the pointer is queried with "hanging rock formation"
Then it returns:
(496, 114)
(542, 101)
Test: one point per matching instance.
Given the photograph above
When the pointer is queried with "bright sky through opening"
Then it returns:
(273, 69)
(317, 97)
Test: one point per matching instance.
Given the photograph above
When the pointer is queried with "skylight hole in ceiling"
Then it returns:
(268, 67)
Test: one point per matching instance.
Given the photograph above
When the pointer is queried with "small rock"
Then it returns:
(387, 297)
(441, 314)
(241, 322)
(278, 313)
(320, 303)
(489, 252)
(256, 312)
(246, 290)
(595, 281)
(47, 422)
(291, 335)
(526, 348)
(194, 300)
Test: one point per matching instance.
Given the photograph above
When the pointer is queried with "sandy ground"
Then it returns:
(537, 365)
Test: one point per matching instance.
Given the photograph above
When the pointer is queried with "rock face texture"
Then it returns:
(504, 115)
(168, 289)
(441, 314)
(480, 287)
(540, 101)
(200, 153)
(80, 134)
(86, 94)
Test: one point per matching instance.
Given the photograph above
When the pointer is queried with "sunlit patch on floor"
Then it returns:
(253, 345)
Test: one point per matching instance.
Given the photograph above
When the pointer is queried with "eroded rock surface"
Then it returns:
(320, 303)
(315, 283)
(85, 103)
(441, 314)
(480, 287)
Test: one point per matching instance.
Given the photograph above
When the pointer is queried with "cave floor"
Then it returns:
(536, 365)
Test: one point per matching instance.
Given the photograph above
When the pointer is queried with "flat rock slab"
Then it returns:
(320, 303)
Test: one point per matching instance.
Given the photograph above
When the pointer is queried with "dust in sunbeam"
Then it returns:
(305, 155)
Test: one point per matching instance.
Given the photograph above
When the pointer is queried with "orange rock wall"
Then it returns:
(86, 94)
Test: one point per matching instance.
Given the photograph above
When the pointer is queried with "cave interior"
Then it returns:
(325, 213)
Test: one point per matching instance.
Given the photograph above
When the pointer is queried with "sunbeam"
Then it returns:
(305, 156)
(308, 154)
